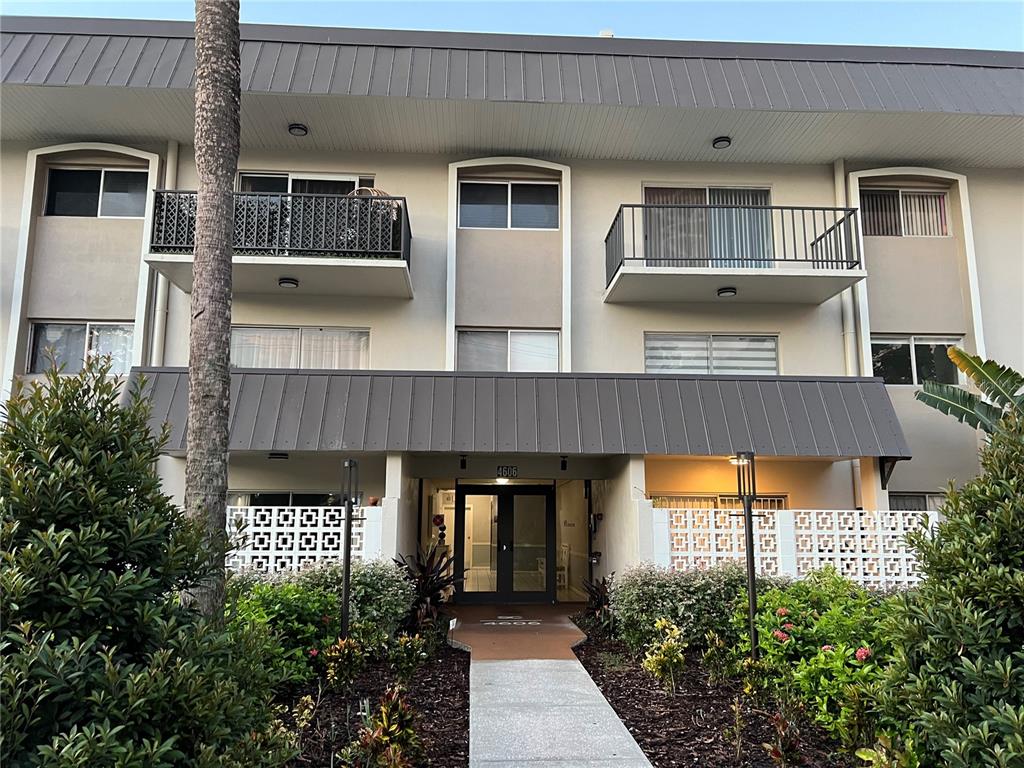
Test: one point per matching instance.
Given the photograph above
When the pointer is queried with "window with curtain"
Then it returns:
(307, 347)
(739, 235)
(690, 353)
(507, 350)
(916, 502)
(70, 343)
(904, 213)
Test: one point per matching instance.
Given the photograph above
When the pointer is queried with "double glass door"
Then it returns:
(504, 543)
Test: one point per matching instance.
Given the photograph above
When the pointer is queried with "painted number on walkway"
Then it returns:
(508, 623)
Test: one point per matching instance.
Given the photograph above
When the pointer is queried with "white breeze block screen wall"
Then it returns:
(287, 538)
(863, 545)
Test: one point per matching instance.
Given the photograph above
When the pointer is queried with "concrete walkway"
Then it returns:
(531, 703)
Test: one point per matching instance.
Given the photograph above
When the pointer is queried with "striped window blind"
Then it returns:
(924, 214)
(686, 353)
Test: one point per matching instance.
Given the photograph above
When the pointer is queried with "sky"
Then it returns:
(988, 24)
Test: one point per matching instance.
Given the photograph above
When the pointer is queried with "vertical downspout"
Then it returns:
(156, 354)
(851, 365)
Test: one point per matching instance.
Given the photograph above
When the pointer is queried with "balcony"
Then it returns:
(332, 244)
(771, 254)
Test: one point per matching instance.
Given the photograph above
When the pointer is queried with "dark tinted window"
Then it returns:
(315, 500)
(933, 364)
(72, 192)
(322, 186)
(249, 182)
(483, 205)
(535, 206)
(269, 499)
(891, 361)
(124, 193)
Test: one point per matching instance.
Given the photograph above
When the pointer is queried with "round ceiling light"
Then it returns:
(721, 142)
(726, 293)
(298, 129)
(287, 282)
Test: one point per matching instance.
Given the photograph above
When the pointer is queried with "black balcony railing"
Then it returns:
(271, 224)
(731, 237)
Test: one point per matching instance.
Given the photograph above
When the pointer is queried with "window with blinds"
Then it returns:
(904, 213)
(716, 501)
(307, 347)
(688, 353)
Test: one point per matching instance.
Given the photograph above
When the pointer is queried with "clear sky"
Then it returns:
(996, 24)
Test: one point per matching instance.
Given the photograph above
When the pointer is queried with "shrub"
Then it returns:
(380, 592)
(387, 738)
(433, 578)
(100, 661)
(304, 621)
(664, 658)
(405, 656)
(343, 661)
(822, 636)
(697, 601)
(599, 609)
(957, 676)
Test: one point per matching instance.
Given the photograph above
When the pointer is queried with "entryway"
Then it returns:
(505, 543)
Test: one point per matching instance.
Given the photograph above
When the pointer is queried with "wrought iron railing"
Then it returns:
(271, 224)
(731, 237)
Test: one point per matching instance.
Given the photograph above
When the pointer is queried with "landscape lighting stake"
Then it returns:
(349, 486)
(747, 487)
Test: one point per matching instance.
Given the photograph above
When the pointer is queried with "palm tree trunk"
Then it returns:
(216, 144)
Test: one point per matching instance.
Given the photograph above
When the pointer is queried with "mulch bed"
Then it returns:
(695, 726)
(438, 694)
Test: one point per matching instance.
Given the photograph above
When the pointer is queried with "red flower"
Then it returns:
(782, 612)
(779, 635)
(863, 653)
(827, 648)
(313, 653)
(787, 625)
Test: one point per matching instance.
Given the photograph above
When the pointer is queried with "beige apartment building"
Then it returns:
(543, 289)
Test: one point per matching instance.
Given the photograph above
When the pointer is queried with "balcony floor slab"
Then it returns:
(388, 278)
(778, 285)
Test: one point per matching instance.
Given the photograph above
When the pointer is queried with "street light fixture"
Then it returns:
(746, 486)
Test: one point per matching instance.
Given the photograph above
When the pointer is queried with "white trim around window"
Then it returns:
(508, 184)
(103, 169)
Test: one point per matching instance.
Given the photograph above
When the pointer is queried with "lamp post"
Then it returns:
(350, 485)
(746, 484)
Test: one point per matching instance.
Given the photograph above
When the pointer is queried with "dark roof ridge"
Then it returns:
(613, 46)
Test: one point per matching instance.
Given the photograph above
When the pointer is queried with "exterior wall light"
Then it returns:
(727, 292)
(501, 480)
(721, 142)
(565, 463)
(300, 129)
(287, 282)
(462, 461)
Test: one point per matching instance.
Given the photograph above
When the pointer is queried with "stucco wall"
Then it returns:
(85, 268)
(12, 184)
(915, 285)
(811, 484)
(508, 278)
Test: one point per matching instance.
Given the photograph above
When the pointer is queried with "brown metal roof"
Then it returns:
(598, 414)
(570, 70)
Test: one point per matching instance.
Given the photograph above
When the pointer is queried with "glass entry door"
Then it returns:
(505, 543)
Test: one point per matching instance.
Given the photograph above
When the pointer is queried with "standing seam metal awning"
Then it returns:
(572, 414)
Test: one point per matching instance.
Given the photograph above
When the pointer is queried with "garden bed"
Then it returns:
(438, 693)
(695, 726)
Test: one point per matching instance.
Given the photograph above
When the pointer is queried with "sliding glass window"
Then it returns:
(306, 347)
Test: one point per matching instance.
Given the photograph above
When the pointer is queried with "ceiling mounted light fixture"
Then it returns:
(287, 282)
(298, 129)
(721, 142)
(727, 292)
(501, 480)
